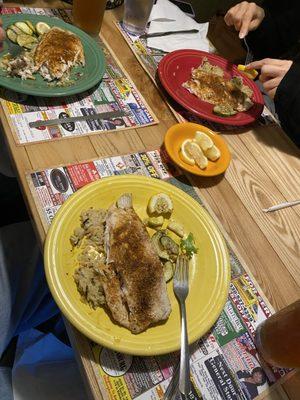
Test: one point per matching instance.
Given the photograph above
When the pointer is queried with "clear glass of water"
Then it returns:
(136, 15)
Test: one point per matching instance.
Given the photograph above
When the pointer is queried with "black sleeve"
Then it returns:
(277, 33)
(287, 103)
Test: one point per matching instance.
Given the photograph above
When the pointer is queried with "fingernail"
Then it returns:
(242, 35)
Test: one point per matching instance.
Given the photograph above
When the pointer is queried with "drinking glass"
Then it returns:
(278, 337)
(136, 15)
(88, 15)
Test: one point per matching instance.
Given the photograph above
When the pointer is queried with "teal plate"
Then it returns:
(84, 77)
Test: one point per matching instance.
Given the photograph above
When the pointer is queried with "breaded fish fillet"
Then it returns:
(208, 83)
(58, 51)
(134, 285)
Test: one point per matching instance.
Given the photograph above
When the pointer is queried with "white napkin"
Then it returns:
(165, 16)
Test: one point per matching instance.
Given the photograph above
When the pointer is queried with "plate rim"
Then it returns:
(62, 91)
(123, 347)
(214, 118)
(184, 166)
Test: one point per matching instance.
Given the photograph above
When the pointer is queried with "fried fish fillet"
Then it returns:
(133, 279)
(56, 54)
(208, 83)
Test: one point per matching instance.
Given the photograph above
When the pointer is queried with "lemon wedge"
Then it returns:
(250, 73)
(185, 154)
(203, 140)
(195, 151)
(213, 153)
(160, 204)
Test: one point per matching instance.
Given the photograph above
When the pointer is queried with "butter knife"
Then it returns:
(157, 34)
(91, 117)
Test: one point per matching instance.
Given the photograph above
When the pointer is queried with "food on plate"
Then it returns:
(185, 153)
(213, 154)
(154, 222)
(160, 204)
(197, 154)
(204, 141)
(229, 96)
(124, 268)
(51, 52)
(57, 53)
(177, 228)
(127, 271)
(199, 150)
(187, 245)
(41, 28)
(168, 270)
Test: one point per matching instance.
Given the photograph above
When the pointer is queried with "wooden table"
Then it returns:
(264, 171)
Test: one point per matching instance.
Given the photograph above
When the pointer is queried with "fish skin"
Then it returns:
(136, 273)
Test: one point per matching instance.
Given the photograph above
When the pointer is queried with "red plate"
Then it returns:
(175, 68)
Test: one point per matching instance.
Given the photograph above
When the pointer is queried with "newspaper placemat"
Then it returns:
(224, 360)
(115, 92)
(149, 60)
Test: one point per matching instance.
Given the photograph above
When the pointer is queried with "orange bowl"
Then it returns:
(186, 130)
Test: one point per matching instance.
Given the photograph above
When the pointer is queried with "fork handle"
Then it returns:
(184, 374)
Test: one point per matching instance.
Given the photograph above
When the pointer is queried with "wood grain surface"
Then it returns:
(264, 171)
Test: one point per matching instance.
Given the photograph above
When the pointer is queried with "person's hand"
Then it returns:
(271, 73)
(2, 35)
(244, 17)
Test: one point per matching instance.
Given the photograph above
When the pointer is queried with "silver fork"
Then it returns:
(249, 56)
(181, 290)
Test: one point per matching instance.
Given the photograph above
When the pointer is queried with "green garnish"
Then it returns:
(187, 246)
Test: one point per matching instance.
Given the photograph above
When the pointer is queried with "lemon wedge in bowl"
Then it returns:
(200, 159)
(204, 141)
(185, 154)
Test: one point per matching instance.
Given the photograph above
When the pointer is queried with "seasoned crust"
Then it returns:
(58, 51)
(138, 268)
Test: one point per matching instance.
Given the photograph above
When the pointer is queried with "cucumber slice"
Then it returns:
(24, 28)
(15, 29)
(11, 35)
(42, 27)
(26, 41)
(31, 26)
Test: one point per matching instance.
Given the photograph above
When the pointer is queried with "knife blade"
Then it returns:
(157, 34)
(59, 121)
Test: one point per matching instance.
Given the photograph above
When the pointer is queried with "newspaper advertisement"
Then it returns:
(116, 92)
(150, 58)
(224, 363)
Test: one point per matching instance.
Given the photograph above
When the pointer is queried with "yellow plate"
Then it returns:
(209, 270)
(187, 130)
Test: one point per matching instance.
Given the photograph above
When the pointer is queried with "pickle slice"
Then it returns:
(24, 28)
(15, 29)
(31, 26)
(11, 35)
(26, 41)
(168, 270)
(160, 204)
(42, 27)
(224, 110)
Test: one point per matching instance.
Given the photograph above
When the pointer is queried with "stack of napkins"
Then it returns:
(165, 16)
